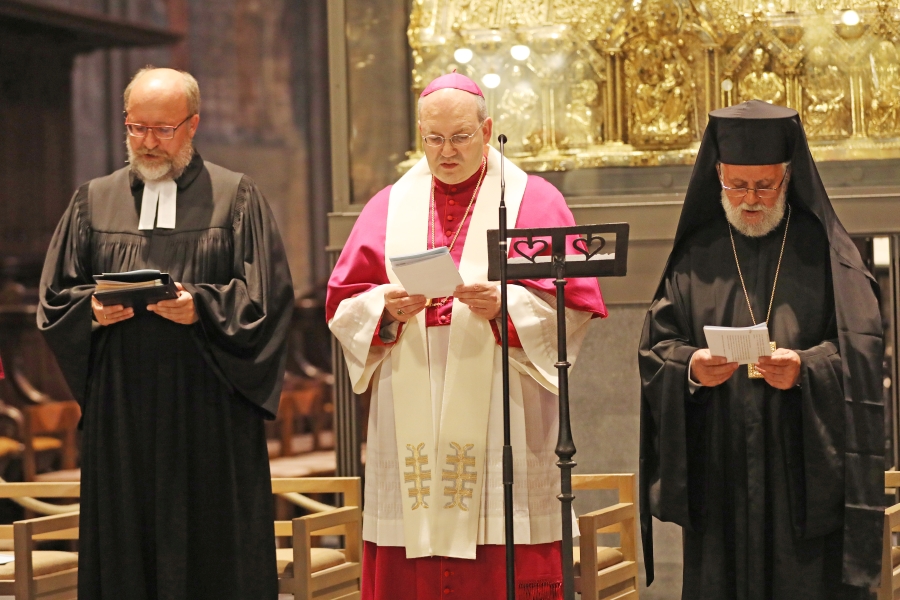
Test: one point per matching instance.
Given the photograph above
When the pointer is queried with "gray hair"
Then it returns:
(191, 89)
(480, 106)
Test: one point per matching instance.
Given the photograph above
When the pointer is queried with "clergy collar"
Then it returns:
(194, 168)
(464, 186)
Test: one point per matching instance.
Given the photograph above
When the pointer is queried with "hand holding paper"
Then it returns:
(400, 306)
(743, 345)
(431, 273)
(483, 299)
(782, 369)
(709, 370)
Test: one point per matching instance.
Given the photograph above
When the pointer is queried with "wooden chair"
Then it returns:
(613, 574)
(306, 400)
(890, 555)
(311, 573)
(51, 427)
(40, 574)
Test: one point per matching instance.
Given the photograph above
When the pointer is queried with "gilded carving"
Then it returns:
(761, 83)
(519, 112)
(826, 102)
(580, 127)
(581, 83)
(473, 14)
(884, 107)
(659, 80)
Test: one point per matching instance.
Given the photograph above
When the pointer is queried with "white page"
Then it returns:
(434, 277)
(743, 345)
(406, 259)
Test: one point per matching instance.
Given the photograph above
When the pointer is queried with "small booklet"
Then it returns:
(743, 345)
(431, 273)
(134, 288)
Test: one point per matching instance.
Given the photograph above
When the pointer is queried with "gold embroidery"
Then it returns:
(418, 475)
(752, 371)
(459, 475)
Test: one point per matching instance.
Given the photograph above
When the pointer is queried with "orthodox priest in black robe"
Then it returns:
(176, 497)
(778, 484)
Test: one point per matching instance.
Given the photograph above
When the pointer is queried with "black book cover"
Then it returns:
(137, 298)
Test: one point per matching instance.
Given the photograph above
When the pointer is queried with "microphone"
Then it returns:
(502, 139)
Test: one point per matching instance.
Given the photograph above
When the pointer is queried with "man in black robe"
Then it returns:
(777, 482)
(176, 497)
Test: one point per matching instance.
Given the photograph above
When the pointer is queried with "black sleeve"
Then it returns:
(64, 309)
(669, 415)
(244, 323)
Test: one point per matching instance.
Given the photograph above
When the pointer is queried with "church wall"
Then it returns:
(604, 396)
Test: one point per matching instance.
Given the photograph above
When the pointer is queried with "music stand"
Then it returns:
(530, 261)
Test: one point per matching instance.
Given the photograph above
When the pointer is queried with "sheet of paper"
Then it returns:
(431, 274)
(6, 559)
(743, 345)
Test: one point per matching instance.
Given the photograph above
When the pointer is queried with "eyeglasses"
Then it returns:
(460, 139)
(761, 193)
(162, 132)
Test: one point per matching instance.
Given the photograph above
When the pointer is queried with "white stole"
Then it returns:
(161, 194)
(443, 471)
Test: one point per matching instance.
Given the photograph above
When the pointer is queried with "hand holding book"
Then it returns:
(118, 295)
(179, 310)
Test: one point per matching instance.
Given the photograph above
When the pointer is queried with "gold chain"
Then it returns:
(777, 269)
(465, 215)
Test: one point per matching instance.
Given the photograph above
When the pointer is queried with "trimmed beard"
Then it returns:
(170, 168)
(771, 216)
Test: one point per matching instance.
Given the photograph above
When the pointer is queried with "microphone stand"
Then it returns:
(504, 341)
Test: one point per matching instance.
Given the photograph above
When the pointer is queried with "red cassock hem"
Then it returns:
(388, 575)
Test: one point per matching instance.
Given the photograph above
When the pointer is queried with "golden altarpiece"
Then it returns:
(587, 83)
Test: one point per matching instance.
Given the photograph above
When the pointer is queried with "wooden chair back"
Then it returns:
(341, 582)
(890, 575)
(61, 584)
(618, 581)
(306, 400)
(53, 420)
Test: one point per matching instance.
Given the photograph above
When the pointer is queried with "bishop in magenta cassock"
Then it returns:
(433, 524)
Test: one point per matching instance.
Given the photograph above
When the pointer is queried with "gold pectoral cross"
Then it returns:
(417, 475)
(752, 371)
(458, 474)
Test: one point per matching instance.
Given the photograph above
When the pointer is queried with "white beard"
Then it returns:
(771, 216)
(169, 168)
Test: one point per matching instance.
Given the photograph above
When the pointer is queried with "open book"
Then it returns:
(432, 273)
(743, 345)
(134, 288)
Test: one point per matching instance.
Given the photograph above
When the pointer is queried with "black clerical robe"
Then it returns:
(176, 498)
(762, 469)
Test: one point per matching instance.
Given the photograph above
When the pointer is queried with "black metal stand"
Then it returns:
(507, 439)
(531, 261)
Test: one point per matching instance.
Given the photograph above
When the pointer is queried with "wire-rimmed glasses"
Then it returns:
(460, 139)
(761, 193)
(162, 132)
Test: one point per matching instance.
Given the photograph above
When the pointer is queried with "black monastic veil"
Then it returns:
(780, 494)
(176, 498)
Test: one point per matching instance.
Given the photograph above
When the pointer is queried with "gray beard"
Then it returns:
(771, 216)
(171, 168)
